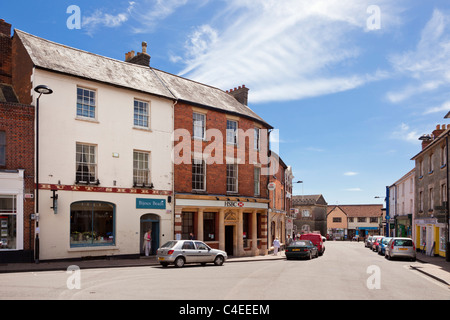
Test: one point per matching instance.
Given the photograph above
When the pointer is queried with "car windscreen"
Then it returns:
(403, 243)
(300, 243)
(169, 244)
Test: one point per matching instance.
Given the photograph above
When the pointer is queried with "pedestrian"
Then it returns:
(276, 246)
(191, 236)
(148, 242)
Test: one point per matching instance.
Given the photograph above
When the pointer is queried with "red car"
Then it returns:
(316, 239)
(376, 243)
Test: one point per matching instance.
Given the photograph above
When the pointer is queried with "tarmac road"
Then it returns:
(347, 271)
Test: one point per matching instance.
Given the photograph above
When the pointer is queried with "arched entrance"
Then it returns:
(150, 222)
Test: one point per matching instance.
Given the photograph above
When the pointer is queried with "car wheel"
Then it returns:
(218, 261)
(179, 262)
(310, 256)
(317, 253)
(164, 264)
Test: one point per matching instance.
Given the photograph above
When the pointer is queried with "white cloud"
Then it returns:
(445, 107)
(282, 50)
(100, 18)
(351, 173)
(353, 189)
(404, 132)
(428, 65)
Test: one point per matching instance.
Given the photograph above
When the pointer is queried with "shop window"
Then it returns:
(209, 226)
(8, 221)
(187, 225)
(92, 224)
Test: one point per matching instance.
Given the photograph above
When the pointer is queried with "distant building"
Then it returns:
(347, 221)
(431, 191)
(312, 213)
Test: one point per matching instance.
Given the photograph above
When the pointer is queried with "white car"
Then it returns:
(180, 252)
(401, 248)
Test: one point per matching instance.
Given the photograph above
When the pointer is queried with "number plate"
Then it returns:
(403, 249)
(295, 249)
(161, 258)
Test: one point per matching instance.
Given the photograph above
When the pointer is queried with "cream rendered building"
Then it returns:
(105, 152)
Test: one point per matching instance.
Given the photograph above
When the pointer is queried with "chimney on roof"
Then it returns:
(142, 58)
(429, 138)
(240, 94)
(5, 52)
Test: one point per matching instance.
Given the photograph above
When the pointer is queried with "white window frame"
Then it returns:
(139, 119)
(88, 105)
(89, 163)
(257, 180)
(199, 123)
(232, 186)
(196, 162)
(142, 169)
(232, 133)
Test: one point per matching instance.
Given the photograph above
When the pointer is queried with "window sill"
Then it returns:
(93, 248)
(142, 129)
(91, 120)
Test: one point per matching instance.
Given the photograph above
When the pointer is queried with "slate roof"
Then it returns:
(53, 56)
(308, 200)
(359, 210)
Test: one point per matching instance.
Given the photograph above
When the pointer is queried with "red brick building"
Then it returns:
(16, 163)
(221, 194)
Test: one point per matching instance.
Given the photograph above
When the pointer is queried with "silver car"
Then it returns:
(401, 248)
(180, 252)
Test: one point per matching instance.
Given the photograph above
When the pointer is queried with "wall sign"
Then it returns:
(150, 203)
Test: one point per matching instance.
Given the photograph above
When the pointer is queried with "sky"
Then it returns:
(350, 84)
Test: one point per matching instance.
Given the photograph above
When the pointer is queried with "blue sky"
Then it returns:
(350, 84)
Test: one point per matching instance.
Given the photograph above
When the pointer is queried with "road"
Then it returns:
(346, 271)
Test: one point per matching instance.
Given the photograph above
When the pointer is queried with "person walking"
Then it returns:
(148, 242)
(276, 246)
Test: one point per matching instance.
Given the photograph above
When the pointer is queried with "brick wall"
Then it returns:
(17, 121)
(5, 52)
(215, 173)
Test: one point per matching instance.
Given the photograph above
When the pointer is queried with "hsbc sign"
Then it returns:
(234, 204)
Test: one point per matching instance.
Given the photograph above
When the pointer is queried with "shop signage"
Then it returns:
(150, 204)
(234, 204)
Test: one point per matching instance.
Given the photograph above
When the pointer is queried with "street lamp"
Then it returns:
(41, 89)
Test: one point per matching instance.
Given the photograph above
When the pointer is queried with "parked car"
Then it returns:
(401, 248)
(383, 244)
(301, 249)
(376, 242)
(316, 239)
(369, 242)
(180, 252)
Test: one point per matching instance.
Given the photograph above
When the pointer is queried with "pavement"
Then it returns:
(434, 267)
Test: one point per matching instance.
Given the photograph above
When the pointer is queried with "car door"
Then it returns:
(189, 252)
(203, 252)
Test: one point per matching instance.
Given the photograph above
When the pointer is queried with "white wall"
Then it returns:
(112, 132)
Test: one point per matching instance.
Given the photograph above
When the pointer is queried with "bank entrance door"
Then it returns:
(229, 240)
(150, 222)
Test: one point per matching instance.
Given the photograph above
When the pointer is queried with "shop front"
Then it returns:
(98, 222)
(235, 225)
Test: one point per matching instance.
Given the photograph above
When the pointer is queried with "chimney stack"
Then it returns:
(240, 94)
(142, 58)
(5, 52)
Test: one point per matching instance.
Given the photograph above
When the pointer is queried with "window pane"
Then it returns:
(198, 175)
(86, 163)
(231, 178)
(209, 226)
(91, 224)
(231, 132)
(141, 168)
(85, 103)
(199, 125)
(141, 114)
